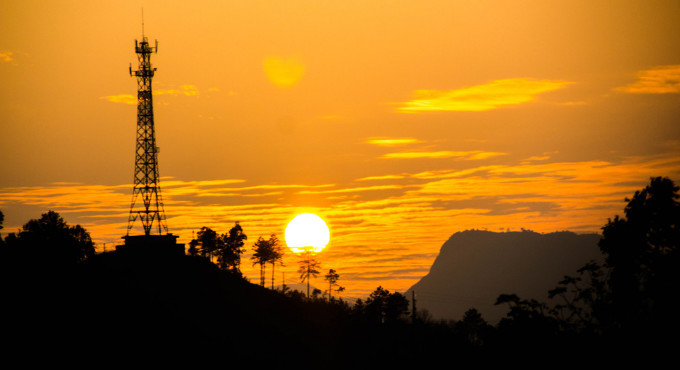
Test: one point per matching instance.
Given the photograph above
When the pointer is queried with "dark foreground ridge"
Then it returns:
(187, 304)
(125, 303)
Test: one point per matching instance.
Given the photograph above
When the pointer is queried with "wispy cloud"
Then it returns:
(184, 90)
(391, 141)
(6, 56)
(121, 98)
(485, 97)
(467, 155)
(385, 177)
(352, 190)
(658, 80)
(536, 158)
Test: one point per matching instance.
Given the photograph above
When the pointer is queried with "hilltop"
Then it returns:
(187, 304)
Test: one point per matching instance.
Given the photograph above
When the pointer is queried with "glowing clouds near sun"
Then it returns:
(489, 96)
(307, 232)
(283, 72)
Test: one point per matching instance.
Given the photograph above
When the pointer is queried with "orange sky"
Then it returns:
(398, 122)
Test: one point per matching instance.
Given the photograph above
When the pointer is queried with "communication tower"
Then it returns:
(147, 202)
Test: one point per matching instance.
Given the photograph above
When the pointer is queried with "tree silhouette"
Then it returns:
(267, 251)
(209, 241)
(473, 327)
(332, 278)
(229, 254)
(584, 300)
(641, 251)
(383, 306)
(309, 267)
(376, 303)
(528, 320)
(49, 240)
(262, 254)
(397, 306)
(2, 219)
(276, 255)
(193, 247)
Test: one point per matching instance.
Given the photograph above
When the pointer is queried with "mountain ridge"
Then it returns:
(475, 266)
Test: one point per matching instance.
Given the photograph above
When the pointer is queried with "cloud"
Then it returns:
(6, 56)
(121, 98)
(484, 155)
(187, 90)
(391, 141)
(537, 158)
(283, 72)
(352, 190)
(385, 177)
(184, 90)
(467, 155)
(478, 98)
(658, 80)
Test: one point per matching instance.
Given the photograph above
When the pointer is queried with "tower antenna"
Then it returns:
(146, 185)
(147, 202)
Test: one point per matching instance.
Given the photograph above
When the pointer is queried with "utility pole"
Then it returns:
(283, 284)
(413, 306)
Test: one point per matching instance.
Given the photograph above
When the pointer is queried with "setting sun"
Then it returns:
(307, 232)
(283, 72)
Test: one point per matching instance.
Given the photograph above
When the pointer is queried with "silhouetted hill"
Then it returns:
(121, 304)
(475, 266)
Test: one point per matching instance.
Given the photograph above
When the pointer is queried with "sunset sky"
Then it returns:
(398, 122)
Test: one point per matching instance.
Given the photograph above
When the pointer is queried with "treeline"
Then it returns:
(48, 242)
(227, 248)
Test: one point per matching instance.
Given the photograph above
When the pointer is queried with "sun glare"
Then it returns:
(307, 232)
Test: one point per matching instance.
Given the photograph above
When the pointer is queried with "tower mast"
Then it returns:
(147, 202)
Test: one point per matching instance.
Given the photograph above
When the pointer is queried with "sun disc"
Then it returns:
(284, 72)
(307, 232)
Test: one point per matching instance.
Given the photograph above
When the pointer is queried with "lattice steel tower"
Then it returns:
(147, 202)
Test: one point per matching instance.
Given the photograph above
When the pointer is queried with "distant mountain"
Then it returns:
(475, 266)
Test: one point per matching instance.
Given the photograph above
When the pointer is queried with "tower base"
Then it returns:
(151, 245)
